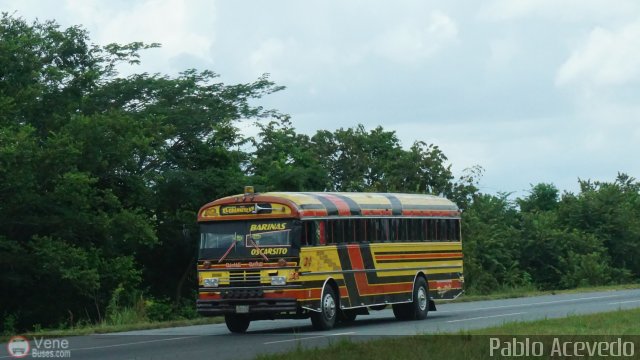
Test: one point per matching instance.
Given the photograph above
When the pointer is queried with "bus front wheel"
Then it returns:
(237, 323)
(326, 318)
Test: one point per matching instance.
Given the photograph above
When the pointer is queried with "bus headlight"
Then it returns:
(211, 282)
(278, 280)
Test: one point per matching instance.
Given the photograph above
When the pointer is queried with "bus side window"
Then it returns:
(431, 227)
(442, 230)
(307, 233)
(386, 233)
(320, 228)
(394, 229)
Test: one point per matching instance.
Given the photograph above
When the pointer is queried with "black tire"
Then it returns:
(347, 316)
(419, 307)
(420, 304)
(326, 318)
(237, 324)
(401, 311)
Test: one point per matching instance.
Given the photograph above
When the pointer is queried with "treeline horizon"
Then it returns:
(101, 178)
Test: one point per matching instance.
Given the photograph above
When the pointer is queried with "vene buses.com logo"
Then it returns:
(18, 347)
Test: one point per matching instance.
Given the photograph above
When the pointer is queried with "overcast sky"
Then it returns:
(533, 91)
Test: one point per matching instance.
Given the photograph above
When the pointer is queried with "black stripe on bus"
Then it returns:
(349, 278)
(372, 276)
(354, 208)
(396, 205)
(332, 210)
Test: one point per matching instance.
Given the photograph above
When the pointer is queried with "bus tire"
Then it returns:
(420, 304)
(326, 318)
(401, 311)
(347, 316)
(237, 324)
(419, 307)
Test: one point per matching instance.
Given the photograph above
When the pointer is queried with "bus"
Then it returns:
(328, 256)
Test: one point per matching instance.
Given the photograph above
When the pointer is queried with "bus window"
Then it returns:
(386, 229)
(443, 231)
(415, 229)
(432, 231)
(321, 233)
(455, 230)
(360, 230)
(350, 230)
(307, 233)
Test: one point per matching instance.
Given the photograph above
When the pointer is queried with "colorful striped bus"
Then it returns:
(327, 256)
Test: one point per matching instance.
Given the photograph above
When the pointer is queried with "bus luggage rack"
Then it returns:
(244, 278)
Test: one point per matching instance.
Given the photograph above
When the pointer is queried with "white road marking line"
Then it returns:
(308, 338)
(532, 304)
(485, 317)
(133, 343)
(624, 302)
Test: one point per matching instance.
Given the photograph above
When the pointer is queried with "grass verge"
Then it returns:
(510, 293)
(475, 344)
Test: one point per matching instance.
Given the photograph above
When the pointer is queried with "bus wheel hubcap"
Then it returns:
(422, 298)
(329, 306)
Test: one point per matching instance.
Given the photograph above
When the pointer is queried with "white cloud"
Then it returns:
(558, 10)
(267, 54)
(607, 57)
(417, 39)
(181, 27)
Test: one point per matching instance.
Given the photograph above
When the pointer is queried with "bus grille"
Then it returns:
(244, 278)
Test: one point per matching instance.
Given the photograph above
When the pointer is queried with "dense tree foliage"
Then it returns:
(101, 177)
(551, 241)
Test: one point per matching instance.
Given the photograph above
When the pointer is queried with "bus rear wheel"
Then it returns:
(236, 323)
(347, 316)
(419, 307)
(326, 318)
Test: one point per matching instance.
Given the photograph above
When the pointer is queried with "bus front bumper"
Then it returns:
(245, 306)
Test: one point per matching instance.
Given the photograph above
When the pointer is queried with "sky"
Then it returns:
(532, 91)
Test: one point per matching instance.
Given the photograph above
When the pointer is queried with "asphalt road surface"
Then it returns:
(214, 341)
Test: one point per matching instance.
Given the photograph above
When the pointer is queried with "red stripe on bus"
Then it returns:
(453, 284)
(430, 213)
(341, 205)
(364, 288)
(313, 212)
(386, 212)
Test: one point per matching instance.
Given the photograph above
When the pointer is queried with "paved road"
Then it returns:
(210, 341)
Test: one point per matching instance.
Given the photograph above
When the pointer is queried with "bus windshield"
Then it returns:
(244, 234)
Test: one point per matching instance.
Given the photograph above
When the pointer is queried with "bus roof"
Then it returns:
(326, 204)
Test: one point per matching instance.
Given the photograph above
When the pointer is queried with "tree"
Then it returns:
(491, 244)
(284, 160)
(97, 170)
(611, 213)
(542, 197)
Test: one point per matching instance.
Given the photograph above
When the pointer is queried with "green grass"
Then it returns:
(621, 322)
(518, 292)
(475, 344)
